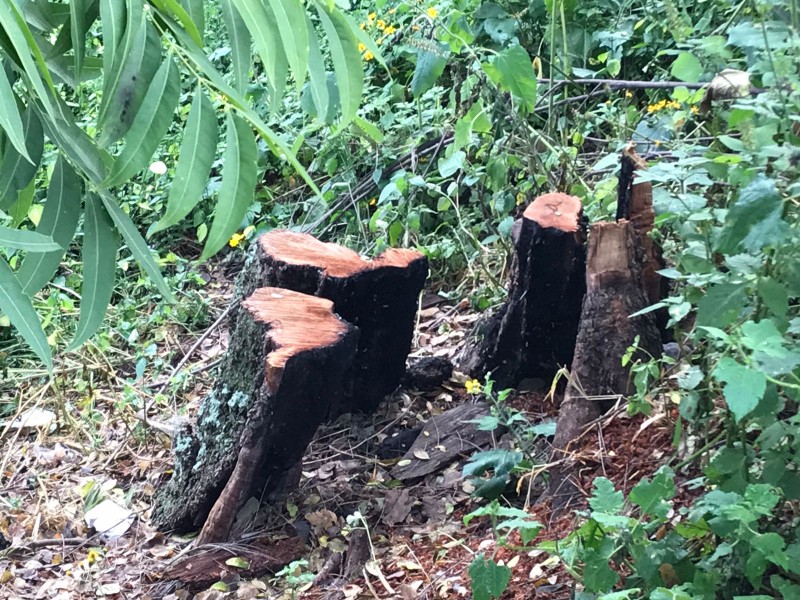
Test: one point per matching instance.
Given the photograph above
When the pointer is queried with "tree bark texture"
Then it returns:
(614, 291)
(533, 333)
(285, 366)
(379, 297)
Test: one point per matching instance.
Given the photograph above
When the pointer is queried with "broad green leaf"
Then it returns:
(239, 174)
(452, 164)
(686, 67)
(99, 253)
(17, 171)
(59, 220)
(112, 18)
(754, 220)
(78, 27)
(652, 496)
(318, 76)
(197, 153)
(721, 305)
(26, 240)
(174, 9)
(744, 387)
(17, 306)
(431, 61)
(774, 295)
(292, 24)
(239, 38)
(137, 245)
(605, 498)
(488, 579)
(347, 64)
(150, 124)
(598, 576)
(513, 72)
(371, 130)
(10, 118)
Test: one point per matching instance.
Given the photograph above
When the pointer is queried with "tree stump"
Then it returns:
(615, 290)
(379, 297)
(533, 333)
(285, 366)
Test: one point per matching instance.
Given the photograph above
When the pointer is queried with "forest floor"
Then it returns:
(420, 547)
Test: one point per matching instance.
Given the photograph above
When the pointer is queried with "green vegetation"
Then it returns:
(138, 138)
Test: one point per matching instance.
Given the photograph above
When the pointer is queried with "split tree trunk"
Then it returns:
(532, 335)
(380, 297)
(284, 368)
(615, 290)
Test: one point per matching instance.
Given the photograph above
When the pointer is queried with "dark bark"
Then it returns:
(533, 333)
(285, 367)
(379, 297)
(615, 291)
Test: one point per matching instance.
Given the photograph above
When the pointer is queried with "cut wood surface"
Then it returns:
(614, 291)
(379, 297)
(532, 334)
(285, 367)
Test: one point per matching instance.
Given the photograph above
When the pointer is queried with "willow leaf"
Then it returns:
(239, 174)
(10, 118)
(262, 26)
(173, 8)
(239, 38)
(112, 17)
(59, 220)
(346, 61)
(99, 253)
(150, 124)
(19, 210)
(318, 76)
(16, 171)
(292, 24)
(21, 239)
(19, 309)
(78, 28)
(196, 12)
(197, 154)
(137, 245)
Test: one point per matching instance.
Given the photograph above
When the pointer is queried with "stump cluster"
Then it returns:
(317, 331)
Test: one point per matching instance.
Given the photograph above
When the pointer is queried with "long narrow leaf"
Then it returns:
(318, 76)
(238, 184)
(196, 12)
(78, 28)
(99, 251)
(137, 245)
(292, 24)
(346, 61)
(150, 124)
(59, 220)
(19, 210)
(16, 171)
(112, 17)
(19, 309)
(174, 9)
(26, 240)
(10, 118)
(197, 154)
(239, 38)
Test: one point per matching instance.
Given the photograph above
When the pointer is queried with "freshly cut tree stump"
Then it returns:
(614, 291)
(285, 366)
(533, 334)
(379, 297)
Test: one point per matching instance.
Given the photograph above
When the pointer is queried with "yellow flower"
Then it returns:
(473, 386)
(372, 201)
(629, 94)
(93, 555)
(432, 12)
(362, 26)
(361, 47)
(379, 41)
(415, 28)
(695, 110)
(381, 24)
(392, 11)
(371, 17)
(389, 30)
(368, 56)
(235, 240)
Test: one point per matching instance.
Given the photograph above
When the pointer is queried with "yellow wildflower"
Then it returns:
(390, 29)
(235, 240)
(362, 26)
(361, 47)
(432, 12)
(473, 386)
(93, 555)
(392, 11)
(381, 24)
(415, 27)
(368, 56)
(629, 94)
(379, 41)
(372, 201)
(371, 17)
(695, 110)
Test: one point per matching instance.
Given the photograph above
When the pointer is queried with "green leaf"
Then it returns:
(175, 9)
(771, 545)
(431, 61)
(239, 38)
(347, 65)
(512, 71)
(597, 575)
(17, 306)
(721, 305)
(10, 118)
(318, 76)
(371, 130)
(17, 171)
(487, 579)
(78, 27)
(197, 154)
(239, 175)
(744, 387)
(26, 240)
(687, 67)
(652, 496)
(754, 220)
(605, 498)
(59, 220)
(774, 295)
(196, 13)
(238, 562)
(19, 210)
(452, 164)
(112, 17)
(149, 125)
(99, 253)
(137, 245)
(292, 24)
